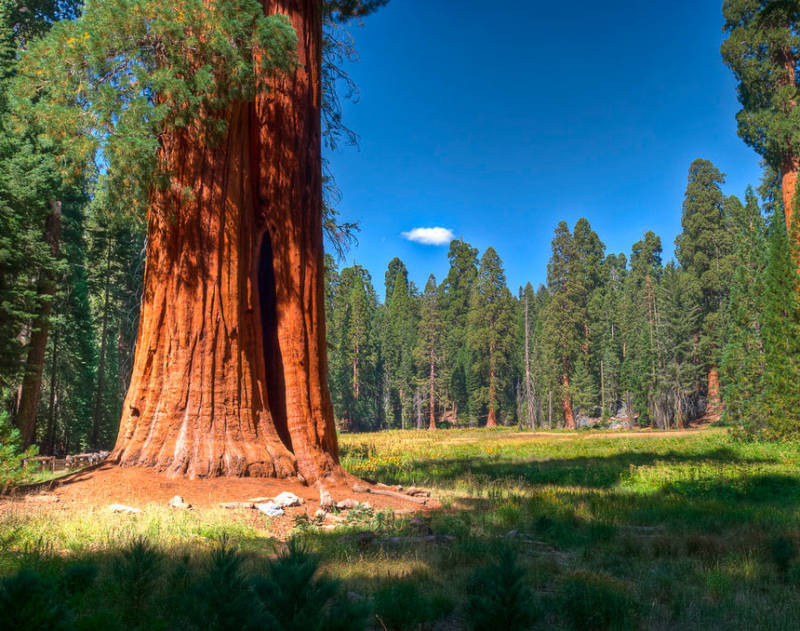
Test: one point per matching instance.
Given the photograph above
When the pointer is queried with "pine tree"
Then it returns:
(564, 332)
(584, 392)
(639, 308)
(430, 345)
(490, 336)
(779, 410)
(678, 319)
(398, 342)
(705, 250)
(743, 357)
(353, 348)
(456, 290)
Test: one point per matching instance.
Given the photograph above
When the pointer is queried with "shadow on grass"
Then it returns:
(597, 472)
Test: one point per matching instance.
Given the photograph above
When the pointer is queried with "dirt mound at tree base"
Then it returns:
(138, 486)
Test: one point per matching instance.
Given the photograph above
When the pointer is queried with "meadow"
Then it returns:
(586, 530)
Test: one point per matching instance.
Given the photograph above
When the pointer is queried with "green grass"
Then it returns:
(609, 531)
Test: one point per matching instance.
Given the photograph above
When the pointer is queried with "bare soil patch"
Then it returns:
(97, 488)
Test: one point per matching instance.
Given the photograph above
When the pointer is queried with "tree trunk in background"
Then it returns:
(229, 376)
(34, 364)
(713, 402)
(529, 386)
(566, 403)
(50, 439)
(491, 421)
(432, 396)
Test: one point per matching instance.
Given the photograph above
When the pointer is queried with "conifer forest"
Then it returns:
(200, 387)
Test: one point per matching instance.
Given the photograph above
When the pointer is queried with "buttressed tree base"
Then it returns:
(229, 377)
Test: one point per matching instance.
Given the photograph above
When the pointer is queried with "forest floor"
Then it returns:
(640, 529)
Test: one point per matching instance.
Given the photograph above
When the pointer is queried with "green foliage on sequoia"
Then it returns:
(762, 50)
(101, 88)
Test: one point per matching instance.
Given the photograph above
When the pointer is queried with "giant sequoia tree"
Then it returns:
(230, 370)
(763, 50)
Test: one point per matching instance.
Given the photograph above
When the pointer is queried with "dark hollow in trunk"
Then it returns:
(273, 361)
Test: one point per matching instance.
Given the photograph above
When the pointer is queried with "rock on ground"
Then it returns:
(286, 499)
(180, 503)
(121, 508)
(270, 509)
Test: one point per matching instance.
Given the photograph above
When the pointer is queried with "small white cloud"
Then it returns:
(430, 236)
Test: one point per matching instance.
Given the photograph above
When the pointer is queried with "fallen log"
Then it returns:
(360, 488)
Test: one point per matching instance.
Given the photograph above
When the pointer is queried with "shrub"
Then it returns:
(590, 600)
(499, 597)
(11, 454)
(404, 605)
(136, 573)
(782, 552)
(221, 598)
(30, 601)
(293, 598)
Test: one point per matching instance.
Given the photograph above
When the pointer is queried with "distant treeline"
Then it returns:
(608, 335)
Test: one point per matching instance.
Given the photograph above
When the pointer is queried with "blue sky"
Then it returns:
(498, 120)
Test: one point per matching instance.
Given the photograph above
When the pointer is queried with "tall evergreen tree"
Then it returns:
(705, 250)
(398, 342)
(564, 318)
(430, 345)
(490, 336)
(639, 361)
(779, 413)
(678, 319)
(354, 348)
(456, 290)
(743, 358)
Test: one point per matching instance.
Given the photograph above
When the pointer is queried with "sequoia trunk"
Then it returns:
(229, 376)
(788, 189)
(491, 420)
(714, 402)
(790, 163)
(566, 403)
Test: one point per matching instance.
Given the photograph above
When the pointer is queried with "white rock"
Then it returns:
(121, 508)
(320, 514)
(270, 509)
(179, 502)
(286, 499)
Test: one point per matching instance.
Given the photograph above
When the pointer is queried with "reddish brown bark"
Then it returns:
(31, 389)
(714, 402)
(229, 376)
(566, 403)
(491, 420)
(789, 171)
(790, 164)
